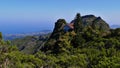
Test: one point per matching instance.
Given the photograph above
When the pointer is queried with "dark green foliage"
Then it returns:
(115, 32)
(78, 41)
(0, 36)
(11, 57)
(78, 23)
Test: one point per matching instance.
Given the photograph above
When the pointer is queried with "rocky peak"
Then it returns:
(100, 24)
(57, 40)
(78, 24)
(59, 26)
(88, 16)
(88, 19)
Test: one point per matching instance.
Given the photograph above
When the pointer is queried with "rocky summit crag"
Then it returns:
(88, 25)
(86, 21)
(64, 31)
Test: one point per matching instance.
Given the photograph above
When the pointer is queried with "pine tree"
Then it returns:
(78, 23)
(1, 36)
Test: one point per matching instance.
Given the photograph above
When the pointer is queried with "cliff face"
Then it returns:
(58, 29)
(100, 24)
(95, 22)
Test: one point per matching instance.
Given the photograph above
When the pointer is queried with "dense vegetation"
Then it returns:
(92, 44)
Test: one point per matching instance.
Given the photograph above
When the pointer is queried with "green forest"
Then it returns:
(86, 42)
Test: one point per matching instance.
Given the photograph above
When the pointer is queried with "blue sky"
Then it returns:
(35, 15)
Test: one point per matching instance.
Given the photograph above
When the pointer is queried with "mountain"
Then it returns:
(115, 26)
(89, 23)
(32, 42)
(86, 42)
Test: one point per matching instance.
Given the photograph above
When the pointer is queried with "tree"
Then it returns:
(78, 41)
(78, 23)
(1, 36)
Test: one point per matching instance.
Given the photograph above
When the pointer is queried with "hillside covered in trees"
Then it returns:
(86, 42)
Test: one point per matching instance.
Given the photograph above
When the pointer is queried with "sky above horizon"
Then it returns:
(19, 16)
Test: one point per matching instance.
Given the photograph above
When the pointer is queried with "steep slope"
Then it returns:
(30, 44)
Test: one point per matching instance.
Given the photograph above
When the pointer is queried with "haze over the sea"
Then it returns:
(20, 16)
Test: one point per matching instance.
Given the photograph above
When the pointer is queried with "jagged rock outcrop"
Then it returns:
(58, 30)
(88, 20)
(95, 22)
(100, 24)
(88, 25)
(55, 36)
